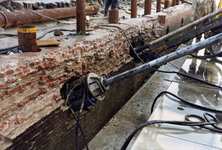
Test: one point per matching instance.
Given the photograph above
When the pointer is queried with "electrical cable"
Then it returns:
(80, 111)
(187, 75)
(8, 34)
(183, 100)
(205, 57)
(134, 31)
(183, 123)
(202, 123)
(126, 39)
(5, 50)
(77, 119)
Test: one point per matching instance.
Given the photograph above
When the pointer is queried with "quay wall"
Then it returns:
(32, 114)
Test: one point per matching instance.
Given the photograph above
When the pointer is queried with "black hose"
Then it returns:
(183, 100)
(202, 123)
(5, 50)
(77, 119)
(126, 39)
(187, 75)
(78, 125)
(205, 57)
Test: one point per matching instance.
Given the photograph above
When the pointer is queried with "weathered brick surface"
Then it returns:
(30, 85)
(31, 112)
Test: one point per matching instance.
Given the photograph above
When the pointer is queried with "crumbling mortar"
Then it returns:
(79, 58)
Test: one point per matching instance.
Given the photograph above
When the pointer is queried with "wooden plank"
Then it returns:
(47, 43)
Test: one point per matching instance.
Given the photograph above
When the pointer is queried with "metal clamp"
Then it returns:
(96, 86)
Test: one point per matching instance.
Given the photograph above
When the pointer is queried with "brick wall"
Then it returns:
(30, 83)
(32, 115)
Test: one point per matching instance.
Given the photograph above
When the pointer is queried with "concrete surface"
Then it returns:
(168, 137)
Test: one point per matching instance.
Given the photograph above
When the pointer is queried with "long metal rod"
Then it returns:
(174, 3)
(151, 54)
(166, 4)
(159, 40)
(147, 7)
(8, 19)
(134, 9)
(164, 59)
(81, 16)
(158, 5)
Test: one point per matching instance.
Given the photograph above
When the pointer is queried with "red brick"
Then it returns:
(1, 116)
(25, 66)
(9, 72)
(22, 76)
(17, 88)
(44, 77)
(42, 83)
(57, 53)
(28, 83)
(27, 74)
(51, 53)
(22, 86)
(3, 94)
(36, 80)
(19, 74)
(20, 120)
(9, 92)
(1, 86)
(38, 63)
(71, 51)
(18, 70)
(3, 126)
(20, 105)
(43, 89)
(78, 48)
(2, 75)
(32, 65)
(21, 91)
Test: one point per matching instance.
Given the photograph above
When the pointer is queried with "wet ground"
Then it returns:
(163, 136)
(167, 137)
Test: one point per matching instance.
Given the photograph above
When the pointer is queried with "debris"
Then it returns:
(75, 34)
(47, 43)
(57, 32)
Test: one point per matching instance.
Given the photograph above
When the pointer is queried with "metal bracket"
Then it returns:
(96, 86)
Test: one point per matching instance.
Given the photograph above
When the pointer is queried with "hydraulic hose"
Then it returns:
(183, 100)
(202, 123)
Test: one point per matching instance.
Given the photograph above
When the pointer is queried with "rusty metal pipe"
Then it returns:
(177, 2)
(9, 19)
(158, 5)
(113, 16)
(147, 9)
(27, 38)
(166, 4)
(81, 16)
(134, 9)
(174, 3)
